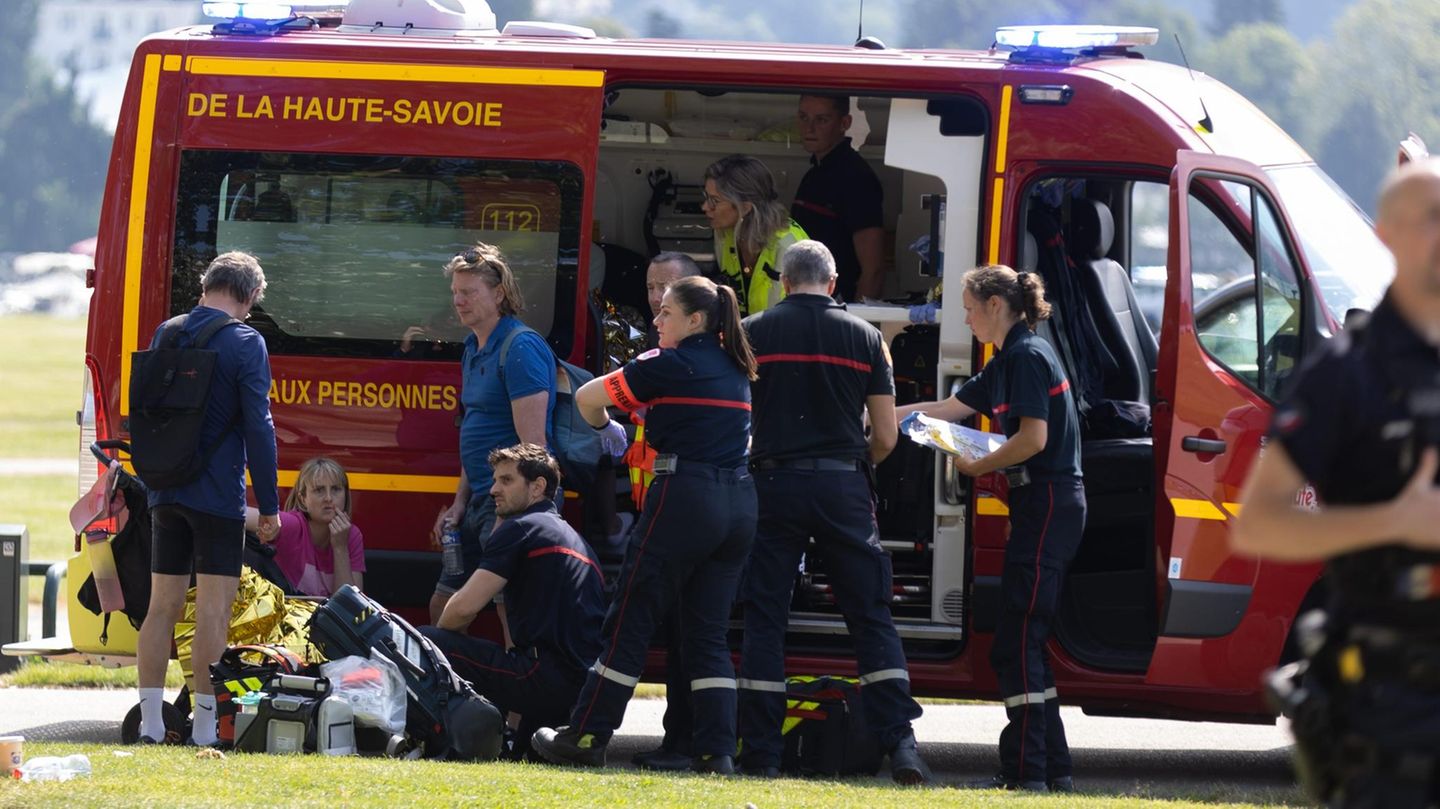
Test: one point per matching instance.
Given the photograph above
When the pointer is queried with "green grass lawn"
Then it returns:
(41, 372)
(169, 777)
(37, 673)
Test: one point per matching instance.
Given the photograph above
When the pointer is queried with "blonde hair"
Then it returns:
(486, 261)
(1023, 292)
(741, 178)
(309, 471)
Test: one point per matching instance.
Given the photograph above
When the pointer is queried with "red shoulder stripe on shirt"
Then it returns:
(690, 400)
(1060, 388)
(568, 552)
(827, 358)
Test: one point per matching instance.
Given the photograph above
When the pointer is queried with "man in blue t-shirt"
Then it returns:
(555, 597)
(502, 406)
(200, 527)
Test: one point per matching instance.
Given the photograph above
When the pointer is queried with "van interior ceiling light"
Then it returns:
(1075, 37)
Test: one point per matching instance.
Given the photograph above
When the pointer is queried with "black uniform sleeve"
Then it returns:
(1030, 384)
(1310, 422)
(882, 371)
(505, 549)
(642, 379)
(975, 394)
(864, 201)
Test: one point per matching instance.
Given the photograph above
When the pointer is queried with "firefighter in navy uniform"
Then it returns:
(1361, 424)
(694, 533)
(821, 369)
(1025, 390)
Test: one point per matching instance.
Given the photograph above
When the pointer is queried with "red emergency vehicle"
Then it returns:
(354, 151)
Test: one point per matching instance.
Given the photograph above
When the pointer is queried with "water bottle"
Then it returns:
(52, 768)
(451, 562)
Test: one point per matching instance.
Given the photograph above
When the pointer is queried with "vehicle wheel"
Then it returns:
(175, 725)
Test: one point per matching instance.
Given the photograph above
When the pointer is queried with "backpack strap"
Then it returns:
(510, 338)
(202, 339)
(170, 332)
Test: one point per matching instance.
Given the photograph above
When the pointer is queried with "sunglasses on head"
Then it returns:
(471, 256)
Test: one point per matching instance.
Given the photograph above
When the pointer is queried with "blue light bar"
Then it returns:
(1067, 37)
(248, 11)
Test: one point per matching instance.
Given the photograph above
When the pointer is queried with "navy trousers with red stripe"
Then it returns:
(538, 685)
(693, 537)
(1046, 521)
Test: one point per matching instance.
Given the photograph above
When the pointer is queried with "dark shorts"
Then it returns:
(183, 539)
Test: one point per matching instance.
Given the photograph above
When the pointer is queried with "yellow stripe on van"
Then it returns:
(392, 71)
(1196, 509)
(991, 507)
(373, 482)
(1002, 138)
(1233, 508)
(996, 209)
(135, 233)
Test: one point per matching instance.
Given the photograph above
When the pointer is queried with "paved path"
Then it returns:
(1148, 757)
(24, 467)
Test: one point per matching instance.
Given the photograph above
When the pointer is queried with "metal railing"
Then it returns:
(54, 573)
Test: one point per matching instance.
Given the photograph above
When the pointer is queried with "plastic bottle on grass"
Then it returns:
(53, 768)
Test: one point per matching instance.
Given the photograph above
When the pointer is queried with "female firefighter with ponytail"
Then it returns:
(1025, 390)
(694, 533)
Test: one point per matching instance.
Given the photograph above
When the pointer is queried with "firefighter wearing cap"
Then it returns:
(1026, 391)
(694, 533)
(821, 368)
(1361, 424)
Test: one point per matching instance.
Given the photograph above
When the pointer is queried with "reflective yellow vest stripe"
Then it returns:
(764, 291)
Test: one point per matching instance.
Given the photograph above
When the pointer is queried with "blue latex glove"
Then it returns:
(613, 439)
(910, 423)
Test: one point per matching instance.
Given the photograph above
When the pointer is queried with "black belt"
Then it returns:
(810, 464)
(668, 463)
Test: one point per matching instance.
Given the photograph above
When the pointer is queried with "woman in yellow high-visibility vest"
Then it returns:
(752, 228)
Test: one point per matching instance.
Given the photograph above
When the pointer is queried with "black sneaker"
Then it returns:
(714, 765)
(565, 746)
(1064, 783)
(662, 758)
(906, 766)
(760, 771)
(1001, 782)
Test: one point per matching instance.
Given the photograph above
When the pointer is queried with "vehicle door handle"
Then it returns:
(1209, 446)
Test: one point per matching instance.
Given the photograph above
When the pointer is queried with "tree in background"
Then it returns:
(508, 10)
(1231, 14)
(1376, 79)
(659, 25)
(54, 156)
(1264, 63)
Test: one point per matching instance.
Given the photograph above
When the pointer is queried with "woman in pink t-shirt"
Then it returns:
(317, 548)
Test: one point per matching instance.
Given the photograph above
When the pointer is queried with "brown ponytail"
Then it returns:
(1023, 292)
(722, 316)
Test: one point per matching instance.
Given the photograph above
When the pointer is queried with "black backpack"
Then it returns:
(825, 730)
(169, 391)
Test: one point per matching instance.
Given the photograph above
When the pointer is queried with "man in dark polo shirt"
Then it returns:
(821, 368)
(554, 594)
(839, 199)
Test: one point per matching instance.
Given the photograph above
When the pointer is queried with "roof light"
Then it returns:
(1056, 94)
(248, 11)
(1067, 37)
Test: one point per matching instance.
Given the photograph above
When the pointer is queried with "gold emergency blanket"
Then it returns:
(261, 614)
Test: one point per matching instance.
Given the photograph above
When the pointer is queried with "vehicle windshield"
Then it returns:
(1350, 265)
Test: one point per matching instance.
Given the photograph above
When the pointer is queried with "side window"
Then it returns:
(1244, 286)
(353, 246)
(1149, 247)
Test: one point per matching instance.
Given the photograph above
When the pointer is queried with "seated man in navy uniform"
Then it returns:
(554, 592)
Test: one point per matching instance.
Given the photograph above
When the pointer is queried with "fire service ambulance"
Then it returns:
(1194, 252)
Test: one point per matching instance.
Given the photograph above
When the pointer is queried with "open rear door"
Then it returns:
(1236, 307)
